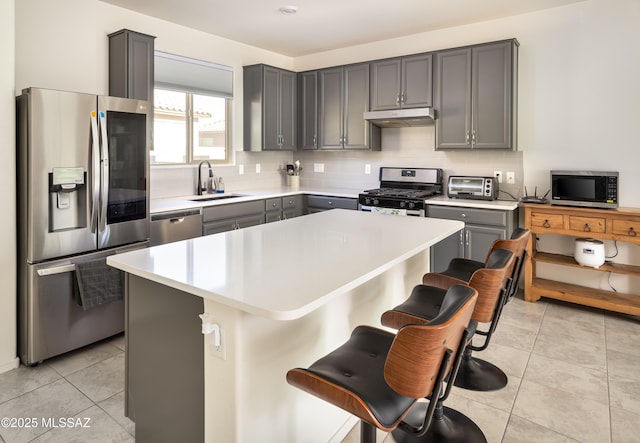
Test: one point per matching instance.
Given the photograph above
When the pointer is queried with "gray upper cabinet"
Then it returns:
(343, 98)
(308, 110)
(475, 97)
(131, 65)
(269, 109)
(403, 82)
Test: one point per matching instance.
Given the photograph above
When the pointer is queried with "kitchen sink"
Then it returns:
(216, 197)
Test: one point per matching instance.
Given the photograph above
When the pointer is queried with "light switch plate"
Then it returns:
(258, 168)
(240, 169)
(318, 167)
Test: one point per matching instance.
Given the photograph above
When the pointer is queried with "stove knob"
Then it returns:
(367, 201)
(375, 201)
(403, 204)
(412, 205)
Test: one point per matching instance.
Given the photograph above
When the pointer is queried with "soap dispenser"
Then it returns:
(220, 186)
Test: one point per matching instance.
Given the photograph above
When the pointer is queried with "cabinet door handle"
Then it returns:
(398, 99)
(466, 137)
(632, 232)
(473, 136)
(466, 238)
(315, 140)
(463, 215)
(461, 238)
(587, 228)
(546, 224)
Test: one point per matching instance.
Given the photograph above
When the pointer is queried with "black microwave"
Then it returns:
(593, 189)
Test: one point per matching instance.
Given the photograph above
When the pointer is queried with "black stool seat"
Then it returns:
(358, 366)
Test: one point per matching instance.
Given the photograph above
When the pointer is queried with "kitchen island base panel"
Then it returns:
(164, 379)
(245, 395)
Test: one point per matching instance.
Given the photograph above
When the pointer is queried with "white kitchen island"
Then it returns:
(284, 294)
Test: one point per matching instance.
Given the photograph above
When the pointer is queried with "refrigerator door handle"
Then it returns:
(95, 172)
(104, 161)
(56, 270)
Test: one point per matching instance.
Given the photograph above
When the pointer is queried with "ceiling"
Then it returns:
(323, 25)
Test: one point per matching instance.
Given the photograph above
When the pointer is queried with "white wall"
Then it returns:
(8, 350)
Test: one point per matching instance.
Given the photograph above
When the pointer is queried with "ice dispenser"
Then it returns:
(67, 198)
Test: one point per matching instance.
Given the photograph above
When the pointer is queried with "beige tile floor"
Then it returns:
(574, 376)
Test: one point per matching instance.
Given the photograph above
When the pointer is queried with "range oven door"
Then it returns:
(393, 211)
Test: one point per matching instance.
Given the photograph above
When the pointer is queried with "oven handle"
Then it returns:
(56, 270)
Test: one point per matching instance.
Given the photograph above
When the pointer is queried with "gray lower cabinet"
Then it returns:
(318, 203)
(403, 82)
(343, 98)
(282, 208)
(482, 228)
(476, 96)
(131, 65)
(269, 108)
(221, 218)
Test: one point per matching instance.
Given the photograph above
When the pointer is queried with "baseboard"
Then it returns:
(10, 365)
(344, 429)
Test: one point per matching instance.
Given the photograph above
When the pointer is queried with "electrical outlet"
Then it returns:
(241, 169)
(367, 169)
(318, 167)
(498, 175)
(258, 168)
(218, 351)
(511, 178)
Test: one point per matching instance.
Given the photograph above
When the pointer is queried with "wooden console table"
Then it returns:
(621, 224)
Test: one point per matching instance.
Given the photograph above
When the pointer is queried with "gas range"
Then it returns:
(402, 191)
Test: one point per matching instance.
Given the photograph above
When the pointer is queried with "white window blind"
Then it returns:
(197, 76)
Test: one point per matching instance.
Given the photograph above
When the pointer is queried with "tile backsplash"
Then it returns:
(404, 147)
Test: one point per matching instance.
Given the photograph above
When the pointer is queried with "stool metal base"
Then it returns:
(479, 375)
(451, 427)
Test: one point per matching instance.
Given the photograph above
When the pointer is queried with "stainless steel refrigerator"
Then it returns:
(83, 194)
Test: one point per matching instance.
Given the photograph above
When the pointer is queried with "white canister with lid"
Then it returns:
(589, 252)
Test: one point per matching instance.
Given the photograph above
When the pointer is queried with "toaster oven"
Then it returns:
(480, 188)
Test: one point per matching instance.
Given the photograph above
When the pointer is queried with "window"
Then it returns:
(192, 103)
(189, 128)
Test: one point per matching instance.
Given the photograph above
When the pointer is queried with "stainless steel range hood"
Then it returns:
(398, 118)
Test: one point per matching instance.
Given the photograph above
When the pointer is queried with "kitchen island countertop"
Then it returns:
(285, 270)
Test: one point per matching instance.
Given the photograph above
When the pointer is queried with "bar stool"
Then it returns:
(492, 282)
(378, 376)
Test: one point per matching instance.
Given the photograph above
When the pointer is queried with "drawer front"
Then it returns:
(324, 202)
(232, 210)
(293, 201)
(587, 224)
(469, 215)
(273, 204)
(627, 228)
(547, 221)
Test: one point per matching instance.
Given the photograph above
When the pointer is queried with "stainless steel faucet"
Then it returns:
(199, 187)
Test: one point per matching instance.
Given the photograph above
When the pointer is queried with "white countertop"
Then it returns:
(287, 269)
(443, 200)
(198, 201)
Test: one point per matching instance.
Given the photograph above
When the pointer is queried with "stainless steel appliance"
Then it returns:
(402, 191)
(479, 188)
(83, 181)
(593, 189)
(168, 227)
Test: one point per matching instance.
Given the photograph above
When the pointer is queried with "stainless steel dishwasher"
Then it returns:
(167, 227)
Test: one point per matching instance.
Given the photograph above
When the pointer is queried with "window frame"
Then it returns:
(189, 133)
